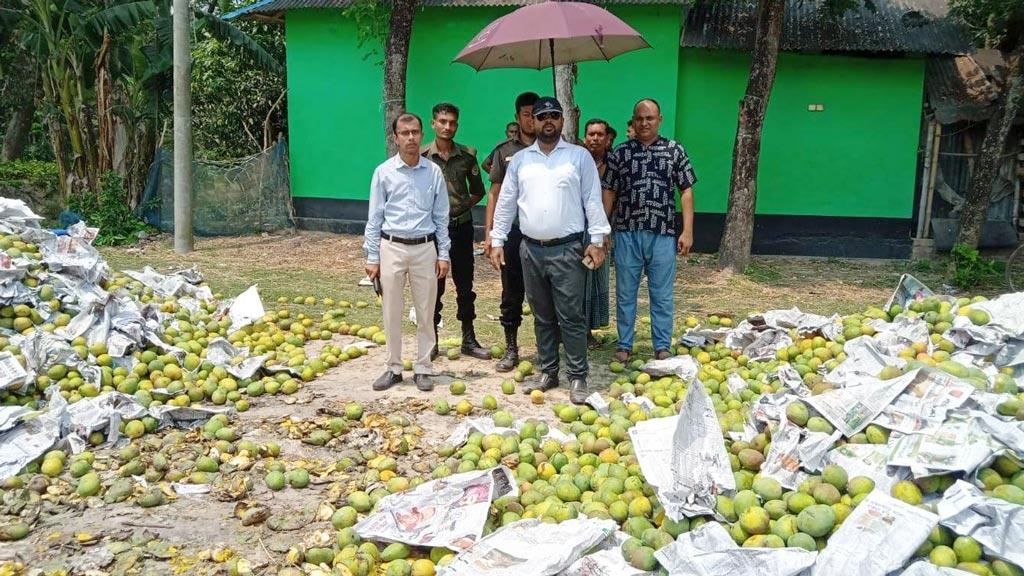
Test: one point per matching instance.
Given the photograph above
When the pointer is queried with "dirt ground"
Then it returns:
(190, 533)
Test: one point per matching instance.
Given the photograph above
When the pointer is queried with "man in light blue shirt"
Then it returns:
(554, 188)
(407, 237)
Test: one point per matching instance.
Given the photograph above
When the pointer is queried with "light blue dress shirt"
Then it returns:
(407, 202)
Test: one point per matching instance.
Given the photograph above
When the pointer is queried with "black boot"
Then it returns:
(510, 360)
(433, 351)
(470, 346)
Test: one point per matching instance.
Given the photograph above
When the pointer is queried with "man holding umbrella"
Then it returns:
(554, 188)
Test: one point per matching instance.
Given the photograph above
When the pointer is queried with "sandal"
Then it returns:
(622, 356)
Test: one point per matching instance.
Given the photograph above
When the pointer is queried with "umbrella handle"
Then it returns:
(554, 77)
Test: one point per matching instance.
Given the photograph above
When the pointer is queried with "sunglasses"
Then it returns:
(548, 116)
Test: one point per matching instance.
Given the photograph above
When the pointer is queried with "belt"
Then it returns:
(555, 241)
(420, 240)
(466, 216)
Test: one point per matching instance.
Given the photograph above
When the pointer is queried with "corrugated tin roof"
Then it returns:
(274, 6)
(920, 26)
(962, 87)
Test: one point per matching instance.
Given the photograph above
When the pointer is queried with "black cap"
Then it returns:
(546, 104)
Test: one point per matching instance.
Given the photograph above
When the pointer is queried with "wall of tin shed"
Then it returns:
(335, 119)
(856, 158)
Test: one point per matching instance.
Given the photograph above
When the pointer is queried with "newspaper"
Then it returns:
(865, 358)
(870, 460)
(909, 289)
(683, 457)
(996, 524)
(36, 433)
(851, 409)
(805, 323)
(959, 445)
(12, 373)
(445, 513)
(245, 309)
(607, 560)
(700, 336)
(710, 551)
(1006, 313)
(975, 340)
(792, 379)
(235, 360)
(794, 450)
(900, 333)
(531, 548)
(598, 403)
(879, 536)
(685, 367)
(925, 402)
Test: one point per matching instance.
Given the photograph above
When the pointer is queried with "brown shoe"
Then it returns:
(622, 356)
(662, 354)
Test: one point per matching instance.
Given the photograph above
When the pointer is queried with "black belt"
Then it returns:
(556, 241)
(420, 240)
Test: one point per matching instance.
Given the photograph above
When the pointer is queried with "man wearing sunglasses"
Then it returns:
(554, 188)
(407, 238)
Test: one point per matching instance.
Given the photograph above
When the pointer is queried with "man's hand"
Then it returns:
(442, 268)
(685, 242)
(487, 243)
(373, 271)
(497, 257)
(596, 254)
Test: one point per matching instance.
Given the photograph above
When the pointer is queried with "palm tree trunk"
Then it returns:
(975, 210)
(18, 128)
(734, 251)
(396, 61)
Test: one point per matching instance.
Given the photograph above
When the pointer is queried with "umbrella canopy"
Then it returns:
(550, 33)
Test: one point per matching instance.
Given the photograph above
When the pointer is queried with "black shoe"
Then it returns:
(386, 380)
(471, 347)
(433, 353)
(545, 383)
(578, 391)
(423, 382)
(508, 361)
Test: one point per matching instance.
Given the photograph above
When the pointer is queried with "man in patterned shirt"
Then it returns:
(639, 186)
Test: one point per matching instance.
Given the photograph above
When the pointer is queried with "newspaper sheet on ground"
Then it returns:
(909, 289)
(996, 524)
(974, 340)
(851, 409)
(531, 548)
(1006, 313)
(865, 358)
(870, 460)
(235, 360)
(805, 323)
(445, 513)
(959, 445)
(685, 367)
(12, 373)
(925, 403)
(710, 551)
(607, 560)
(684, 457)
(245, 309)
(879, 536)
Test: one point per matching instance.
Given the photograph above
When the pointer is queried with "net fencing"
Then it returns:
(233, 197)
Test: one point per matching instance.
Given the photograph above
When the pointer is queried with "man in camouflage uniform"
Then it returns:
(465, 189)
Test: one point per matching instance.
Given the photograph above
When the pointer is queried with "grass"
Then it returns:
(330, 266)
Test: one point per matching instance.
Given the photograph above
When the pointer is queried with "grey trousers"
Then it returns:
(555, 278)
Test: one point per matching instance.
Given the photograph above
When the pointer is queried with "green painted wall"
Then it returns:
(858, 157)
(334, 113)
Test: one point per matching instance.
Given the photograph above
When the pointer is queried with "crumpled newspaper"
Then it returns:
(851, 409)
(244, 309)
(606, 560)
(805, 323)
(179, 283)
(710, 551)
(449, 512)
(909, 289)
(996, 524)
(926, 568)
(879, 536)
(1006, 313)
(964, 442)
(683, 457)
(220, 352)
(685, 367)
(531, 548)
(870, 460)
(925, 402)
(12, 373)
(794, 450)
(865, 358)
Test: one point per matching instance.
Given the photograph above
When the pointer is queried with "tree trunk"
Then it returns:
(17, 132)
(976, 202)
(396, 60)
(104, 109)
(565, 83)
(734, 251)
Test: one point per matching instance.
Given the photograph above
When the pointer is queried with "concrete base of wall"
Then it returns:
(923, 249)
(823, 236)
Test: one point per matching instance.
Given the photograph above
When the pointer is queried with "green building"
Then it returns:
(840, 152)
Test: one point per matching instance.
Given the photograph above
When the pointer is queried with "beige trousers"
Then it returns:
(418, 263)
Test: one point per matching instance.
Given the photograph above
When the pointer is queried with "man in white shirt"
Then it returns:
(407, 237)
(554, 188)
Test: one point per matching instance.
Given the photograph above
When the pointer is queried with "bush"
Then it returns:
(36, 172)
(108, 210)
(969, 269)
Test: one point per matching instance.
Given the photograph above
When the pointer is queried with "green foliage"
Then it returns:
(372, 19)
(108, 210)
(996, 23)
(35, 172)
(968, 269)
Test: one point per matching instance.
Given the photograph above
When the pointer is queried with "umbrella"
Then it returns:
(549, 33)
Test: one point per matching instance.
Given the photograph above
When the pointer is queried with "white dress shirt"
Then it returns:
(555, 195)
(408, 202)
